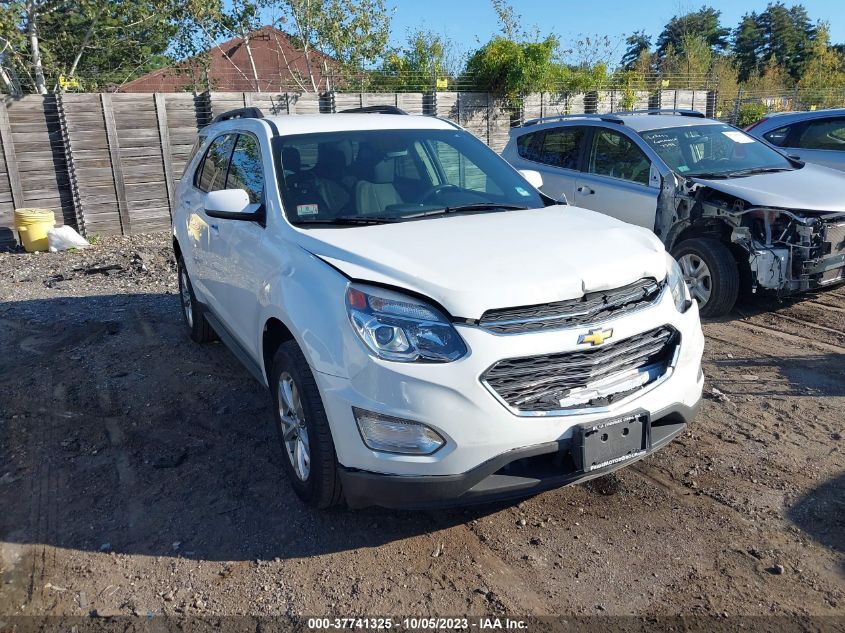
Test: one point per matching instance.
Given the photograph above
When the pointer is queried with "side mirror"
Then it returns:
(232, 204)
(534, 178)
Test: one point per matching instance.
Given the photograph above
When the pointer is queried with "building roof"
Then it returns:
(279, 64)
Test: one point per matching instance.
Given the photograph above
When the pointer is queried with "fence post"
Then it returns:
(11, 160)
(327, 103)
(710, 103)
(489, 119)
(166, 152)
(736, 106)
(116, 167)
(429, 103)
(73, 180)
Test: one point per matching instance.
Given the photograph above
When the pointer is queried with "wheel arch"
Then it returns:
(713, 229)
(273, 334)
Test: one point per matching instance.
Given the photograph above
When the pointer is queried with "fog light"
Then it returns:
(394, 435)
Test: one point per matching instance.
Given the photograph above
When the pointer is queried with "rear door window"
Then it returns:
(824, 134)
(614, 154)
(528, 146)
(562, 146)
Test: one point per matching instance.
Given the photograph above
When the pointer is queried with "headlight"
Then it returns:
(677, 286)
(399, 328)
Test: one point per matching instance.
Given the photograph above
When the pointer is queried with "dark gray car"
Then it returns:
(735, 212)
(816, 136)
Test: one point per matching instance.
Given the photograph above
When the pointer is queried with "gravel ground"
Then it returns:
(139, 474)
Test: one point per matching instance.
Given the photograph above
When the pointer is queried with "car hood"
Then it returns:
(472, 263)
(811, 188)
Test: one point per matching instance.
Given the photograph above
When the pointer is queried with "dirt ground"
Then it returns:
(139, 473)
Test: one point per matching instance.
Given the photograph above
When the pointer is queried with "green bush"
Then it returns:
(751, 113)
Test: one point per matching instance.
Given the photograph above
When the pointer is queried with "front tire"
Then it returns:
(198, 327)
(308, 453)
(711, 274)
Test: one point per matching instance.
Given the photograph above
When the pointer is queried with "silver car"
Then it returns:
(736, 213)
(815, 137)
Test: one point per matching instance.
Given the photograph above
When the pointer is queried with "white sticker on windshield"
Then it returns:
(738, 137)
(307, 209)
(522, 192)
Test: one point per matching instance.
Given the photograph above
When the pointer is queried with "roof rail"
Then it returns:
(610, 118)
(374, 109)
(676, 111)
(240, 113)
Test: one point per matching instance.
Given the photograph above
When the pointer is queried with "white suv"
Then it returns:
(431, 327)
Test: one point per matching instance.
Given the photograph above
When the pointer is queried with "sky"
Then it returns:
(470, 23)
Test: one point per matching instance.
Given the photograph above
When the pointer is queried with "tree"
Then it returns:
(703, 24)
(748, 43)
(823, 81)
(511, 69)
(696, 58)
(785, 34)
(353, 32)
(637, 44)
(417, 66)
(105, 41)
(509, 21)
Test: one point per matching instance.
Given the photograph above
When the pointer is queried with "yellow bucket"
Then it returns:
(32, 226)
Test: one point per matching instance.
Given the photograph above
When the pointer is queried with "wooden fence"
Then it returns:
(109, 163)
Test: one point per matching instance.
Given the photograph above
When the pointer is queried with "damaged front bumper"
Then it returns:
(792, 253)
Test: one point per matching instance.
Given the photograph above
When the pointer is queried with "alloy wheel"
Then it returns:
(697, 275)
(185, 295)
(294, 430)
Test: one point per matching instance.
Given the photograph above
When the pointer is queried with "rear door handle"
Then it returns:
(585, 190)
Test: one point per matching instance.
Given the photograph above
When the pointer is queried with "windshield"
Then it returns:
(364, 176)
(713, 151)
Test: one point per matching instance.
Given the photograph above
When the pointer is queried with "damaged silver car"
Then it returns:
(738, 215)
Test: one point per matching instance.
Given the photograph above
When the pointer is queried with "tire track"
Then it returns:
(791, 338)
(500, 576)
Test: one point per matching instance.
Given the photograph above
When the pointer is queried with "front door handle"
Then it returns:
(586, 191)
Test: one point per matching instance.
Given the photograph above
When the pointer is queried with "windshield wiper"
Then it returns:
(709, 175)
(349, 220)
(476, 206)
(759, 170)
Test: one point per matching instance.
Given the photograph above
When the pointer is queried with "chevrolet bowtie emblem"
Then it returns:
(595, 337)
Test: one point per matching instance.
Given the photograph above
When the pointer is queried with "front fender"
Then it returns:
(309, 297)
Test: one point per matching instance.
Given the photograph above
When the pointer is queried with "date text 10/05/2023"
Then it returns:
(418, 623)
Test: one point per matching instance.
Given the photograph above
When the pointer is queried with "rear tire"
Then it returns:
(198, 327)
(308, 453)
(711, 274)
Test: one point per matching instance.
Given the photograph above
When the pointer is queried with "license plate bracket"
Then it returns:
(611, 442)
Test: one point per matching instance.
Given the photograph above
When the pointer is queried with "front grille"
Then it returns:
(584, 378)
(588, 309)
